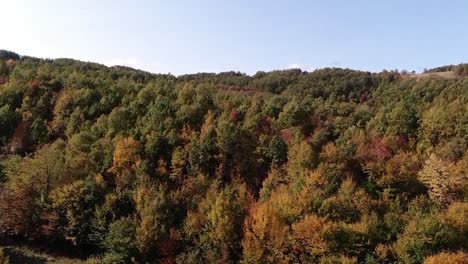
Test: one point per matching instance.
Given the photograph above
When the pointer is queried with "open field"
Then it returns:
(442, 75)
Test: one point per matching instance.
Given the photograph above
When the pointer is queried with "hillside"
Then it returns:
(117, 165)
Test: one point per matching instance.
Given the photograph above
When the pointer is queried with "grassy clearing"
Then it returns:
(25, 255)
(442, 75)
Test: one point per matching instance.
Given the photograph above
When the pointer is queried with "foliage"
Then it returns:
(7, 55)
(74, 204)
(441, 180)
(120, 241)
(447, 258)
(329, 166)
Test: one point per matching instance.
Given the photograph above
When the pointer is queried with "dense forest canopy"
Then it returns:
(329, 166)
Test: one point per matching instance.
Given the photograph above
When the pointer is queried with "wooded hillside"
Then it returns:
(329, 166)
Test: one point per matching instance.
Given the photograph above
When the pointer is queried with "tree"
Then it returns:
(30, 181)
(39, 131)
(277, 150)
(216, 227)
(78, 155)
(62, 110)
(74, 204)
(155, 216)
(116, 205)
(456, 216)
(7, 55)
(21, 211)
(120, 121)
(125, 161)
(8, 121)
(292, 115)
(236, 152)
(401, 174)
(301, 158)
(347, 205)
(310, 237)
(203, 151)
(445, 120)
(120, 242)
(423, 237)
(440, 180)
(404, 118)
(265, 236)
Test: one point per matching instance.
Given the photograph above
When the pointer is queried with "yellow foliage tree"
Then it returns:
(440, 179)
(125, 161)
(309, 238)
(448, 258)
(457, 216)
(265, 236)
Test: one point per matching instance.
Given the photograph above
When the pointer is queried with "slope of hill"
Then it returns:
(330, 166)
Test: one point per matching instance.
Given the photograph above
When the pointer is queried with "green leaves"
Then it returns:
(120, 241)
(8, 121)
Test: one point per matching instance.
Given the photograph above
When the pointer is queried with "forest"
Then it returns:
(118, 165)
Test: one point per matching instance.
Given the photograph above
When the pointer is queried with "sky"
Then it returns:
(180, 37)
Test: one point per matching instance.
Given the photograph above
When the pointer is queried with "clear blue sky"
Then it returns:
(221, 35)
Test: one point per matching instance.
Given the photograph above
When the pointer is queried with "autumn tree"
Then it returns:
(265, 236)
(155, 216)
(440, 180)
(125, 161)
(310, 238)
(216, 227)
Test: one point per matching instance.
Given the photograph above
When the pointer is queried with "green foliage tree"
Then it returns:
(7, 55)
(277, 150)
(120, 242)
(39, 131)
(404, 118)
(74, 204)
(8, 121)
